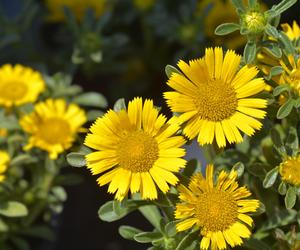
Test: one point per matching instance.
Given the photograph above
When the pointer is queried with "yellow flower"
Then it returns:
(53, 126)
(214, 97)
(293, 33)
(217, 16)
(143, 5)
(4, 161)
(290, 170)
(3, 132)
(291, 74)
(78, 7)
(218, 209)
(135, 149)
(19, 85)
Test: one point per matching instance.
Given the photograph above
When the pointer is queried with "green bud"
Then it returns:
(254, 22)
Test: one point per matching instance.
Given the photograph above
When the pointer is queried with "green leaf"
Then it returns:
(239, 168)
(252, 4)
(120, 105)
(275, 71)
(287, 43)
(59, 193)
(91, 99)
(152, 214)
(76, 159)
(128, 232)
(280, 89)
(3, 226)
(297, 103)
(147, 237)
(107, 213)
(238, 4)
(283, 6)
(271, 31)
(250, 52)
(22, 159)
(13, 209)
(97, 56)
(292, 139)
(92, 115)
(290, 198)
(272, 49)
(169, 69)
(270, 178)
(170, 228)
(276, 138)
(282, 188)
(20, 243)
(285, 109)
(226, 28)
(186, 242)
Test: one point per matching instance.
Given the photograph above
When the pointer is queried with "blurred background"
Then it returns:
(118, 48)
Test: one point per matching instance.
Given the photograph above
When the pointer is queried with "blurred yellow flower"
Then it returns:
(143, 5)
(19, 85)
(218, 208)
(3, 132)
(291, 74)
(293, 32)
(214, 98)
(4, 161)
(136, 149)
(53, 125)
(220, 12)
(290, 170)
(78, 7)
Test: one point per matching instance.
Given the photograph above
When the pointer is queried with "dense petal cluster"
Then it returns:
(216, 99)
(290, 171)
(218, 209)
(53, 126)
(135, 149)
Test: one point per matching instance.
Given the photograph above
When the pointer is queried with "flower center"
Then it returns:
(54, 131)
(13, 90)
(216, 210)
(216, 101)
(290, 171)
(137, 152)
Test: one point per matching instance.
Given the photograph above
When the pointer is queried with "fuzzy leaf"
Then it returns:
(270, 178)
(280, 89)
(128, 232)
(76, 159)
(147, 237)
(169, 69)
(13, 209)
(285, 109)
(250, 52)
(226, 28)
(290, 198)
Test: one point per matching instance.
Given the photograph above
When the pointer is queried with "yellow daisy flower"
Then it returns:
(53, 126)
(217, 16)
(291, 74)
(290, 170)
(218, 209)
(293, 32)
(4, 161)
(78, 7)
(213, 97)
(19, 85)
(136, 149)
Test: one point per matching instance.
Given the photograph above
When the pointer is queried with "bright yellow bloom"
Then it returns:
(4, 161)
(213, 97)
(19, 85)
(293, 33)
(53, 126)
(3, 132)
(290, 170)
(136, 149)
(218, 209)
(144, 4)
(291, 74)
(78, 7)
(217, 15)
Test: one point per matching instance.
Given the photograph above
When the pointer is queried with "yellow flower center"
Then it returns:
(216, 210)
(54, 131)
(290, 171)
(216, 101)
(137, 152)
(13, 90)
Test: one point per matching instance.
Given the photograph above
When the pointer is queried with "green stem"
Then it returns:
(209, 153)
